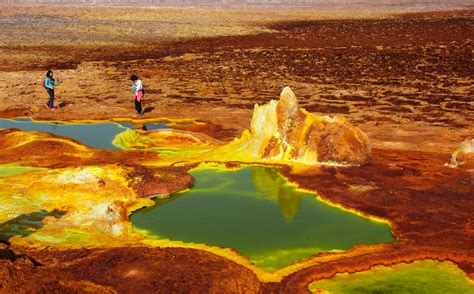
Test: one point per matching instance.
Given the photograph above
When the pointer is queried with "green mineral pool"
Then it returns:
(7, 170)
(258, 213)
(96, 135)
(420, 277)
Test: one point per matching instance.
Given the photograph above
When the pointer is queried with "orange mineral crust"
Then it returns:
(47, 150)
(426, 202)
(39, 149)
(361, 259)
(124, 269)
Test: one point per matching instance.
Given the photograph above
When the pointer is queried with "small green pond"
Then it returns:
(7, 170)
(420, 277)
(96, 135)
(257, 212)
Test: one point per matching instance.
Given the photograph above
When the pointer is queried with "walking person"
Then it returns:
(138, 92)
(49, 83)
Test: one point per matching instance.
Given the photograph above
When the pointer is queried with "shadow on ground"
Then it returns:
(26, 224)
(148, 109)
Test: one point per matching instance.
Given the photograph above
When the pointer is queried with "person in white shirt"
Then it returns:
(138, 92)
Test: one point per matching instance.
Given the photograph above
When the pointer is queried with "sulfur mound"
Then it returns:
(281, 131)
(463, 155)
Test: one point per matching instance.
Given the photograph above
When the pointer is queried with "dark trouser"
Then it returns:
(51, 98)
(138, 106)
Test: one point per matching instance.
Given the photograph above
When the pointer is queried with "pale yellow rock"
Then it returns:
(463, 155)
(281, 132)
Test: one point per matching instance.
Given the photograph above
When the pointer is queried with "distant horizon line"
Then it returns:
(416, 3)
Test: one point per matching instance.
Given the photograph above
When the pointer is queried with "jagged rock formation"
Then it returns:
(283, 132)
(463, 155)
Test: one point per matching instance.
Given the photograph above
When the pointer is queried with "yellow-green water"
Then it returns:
(7, 170)
(96, 135)
(99, 135)
(255, 211)
(420, 277)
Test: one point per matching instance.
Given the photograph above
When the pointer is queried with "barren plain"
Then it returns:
(405, 79)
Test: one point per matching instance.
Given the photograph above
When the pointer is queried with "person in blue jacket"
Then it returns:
(48, 83)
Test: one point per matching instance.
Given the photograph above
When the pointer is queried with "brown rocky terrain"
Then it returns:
(405, 80)
(129, 270)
